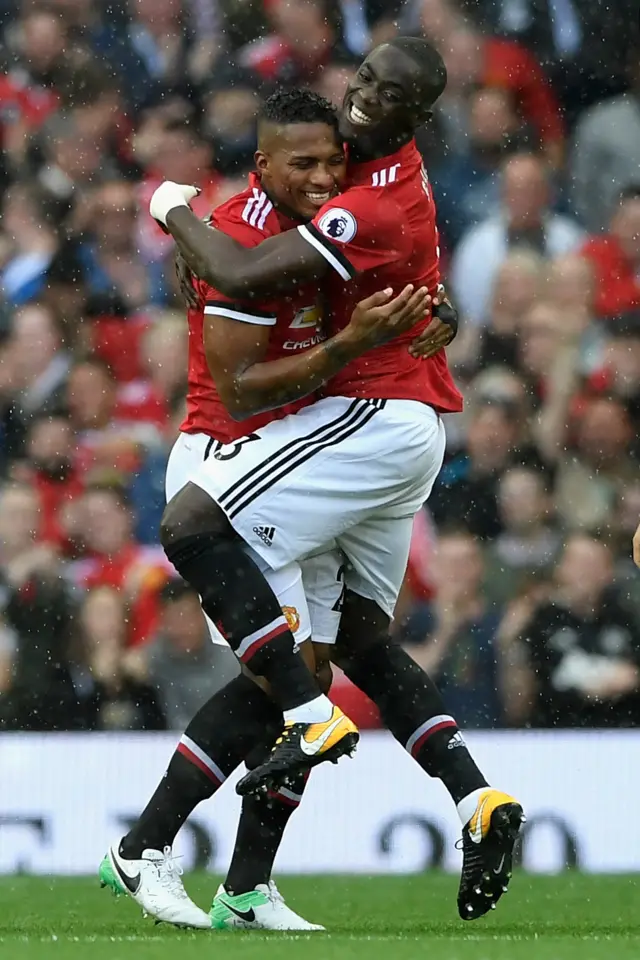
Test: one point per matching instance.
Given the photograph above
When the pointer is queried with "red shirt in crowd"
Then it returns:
(617, 282)
(139, 572)
(511, 67)
(23, 103)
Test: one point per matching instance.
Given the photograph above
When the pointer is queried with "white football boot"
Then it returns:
(154, 881)
(260, 909)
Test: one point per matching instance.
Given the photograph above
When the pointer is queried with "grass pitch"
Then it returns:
(570, 917)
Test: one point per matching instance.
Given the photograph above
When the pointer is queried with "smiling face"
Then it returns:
(302, 165)
(388, 99)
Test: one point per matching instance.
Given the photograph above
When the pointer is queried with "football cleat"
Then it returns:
(300, 747)
(154, 881)
(488, 840)
(260, 909)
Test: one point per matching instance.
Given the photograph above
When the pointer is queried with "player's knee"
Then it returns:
(192, 512)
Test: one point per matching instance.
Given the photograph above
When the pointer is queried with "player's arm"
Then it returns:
(236, 341)
(277, 264)
(346, 235)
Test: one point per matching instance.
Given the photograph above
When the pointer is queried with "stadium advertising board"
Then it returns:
(64, 797)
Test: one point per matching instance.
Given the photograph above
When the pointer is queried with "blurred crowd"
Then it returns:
(520, 597)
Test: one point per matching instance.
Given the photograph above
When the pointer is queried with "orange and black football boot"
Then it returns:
(300, 747)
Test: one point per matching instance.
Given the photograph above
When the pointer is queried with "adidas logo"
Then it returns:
(456, 741)
(266, 534)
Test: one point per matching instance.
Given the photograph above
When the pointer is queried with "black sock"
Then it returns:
(236, 596)
(262, 824)
(216, 741)
(412, 708)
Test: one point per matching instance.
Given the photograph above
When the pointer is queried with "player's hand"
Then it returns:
(636, 547)
(185, 281)
(382, 316)
(440, 332)
(168, 196)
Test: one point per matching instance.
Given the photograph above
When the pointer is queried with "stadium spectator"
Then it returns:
(466, 490)
(184, 667)
(114, 559)
(466, 185)
(595, 469)
(615, 258)
(27, 244)
(618, 372)
(519, 282)
(111, 689)
(474, 60)
(113, 427)
(525, 220)
(51, 469)
(580, 646)
(35, 367)
(38, 613)
(526, 549)
(454, 639)
(605, 155)
(112, 266)
(230, 106)
(305, 32)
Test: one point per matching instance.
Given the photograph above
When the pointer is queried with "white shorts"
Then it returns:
(308, 593)
(351, 471)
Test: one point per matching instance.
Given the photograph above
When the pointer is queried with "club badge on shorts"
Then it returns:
(292, 617)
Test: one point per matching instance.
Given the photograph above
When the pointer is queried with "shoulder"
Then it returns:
(247, 217)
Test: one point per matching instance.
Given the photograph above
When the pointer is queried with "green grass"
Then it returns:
(570, 917)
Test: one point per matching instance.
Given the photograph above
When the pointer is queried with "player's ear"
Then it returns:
(261, 161)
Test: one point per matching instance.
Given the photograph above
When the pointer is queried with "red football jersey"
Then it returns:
(249, 218)
(382, 233)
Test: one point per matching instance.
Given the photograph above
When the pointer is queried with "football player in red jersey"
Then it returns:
(354, 466)
(242, 356)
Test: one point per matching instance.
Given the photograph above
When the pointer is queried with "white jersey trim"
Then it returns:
(257, 209)
(325, 251)
(263, 321)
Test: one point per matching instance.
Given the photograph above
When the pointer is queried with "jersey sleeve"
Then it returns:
(359, 230)
(215, 303)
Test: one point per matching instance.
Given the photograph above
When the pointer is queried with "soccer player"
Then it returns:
(354, 466)
(260, 355)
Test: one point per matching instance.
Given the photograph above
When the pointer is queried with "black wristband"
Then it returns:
(447, 314)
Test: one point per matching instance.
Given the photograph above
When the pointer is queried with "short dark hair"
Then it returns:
(298, 105)
(114, 487)
(431, 64)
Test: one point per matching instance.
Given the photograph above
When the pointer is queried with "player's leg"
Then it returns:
(223, 732)
(215, 742)
(207, 552)
(413, 710)
(264, 818)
